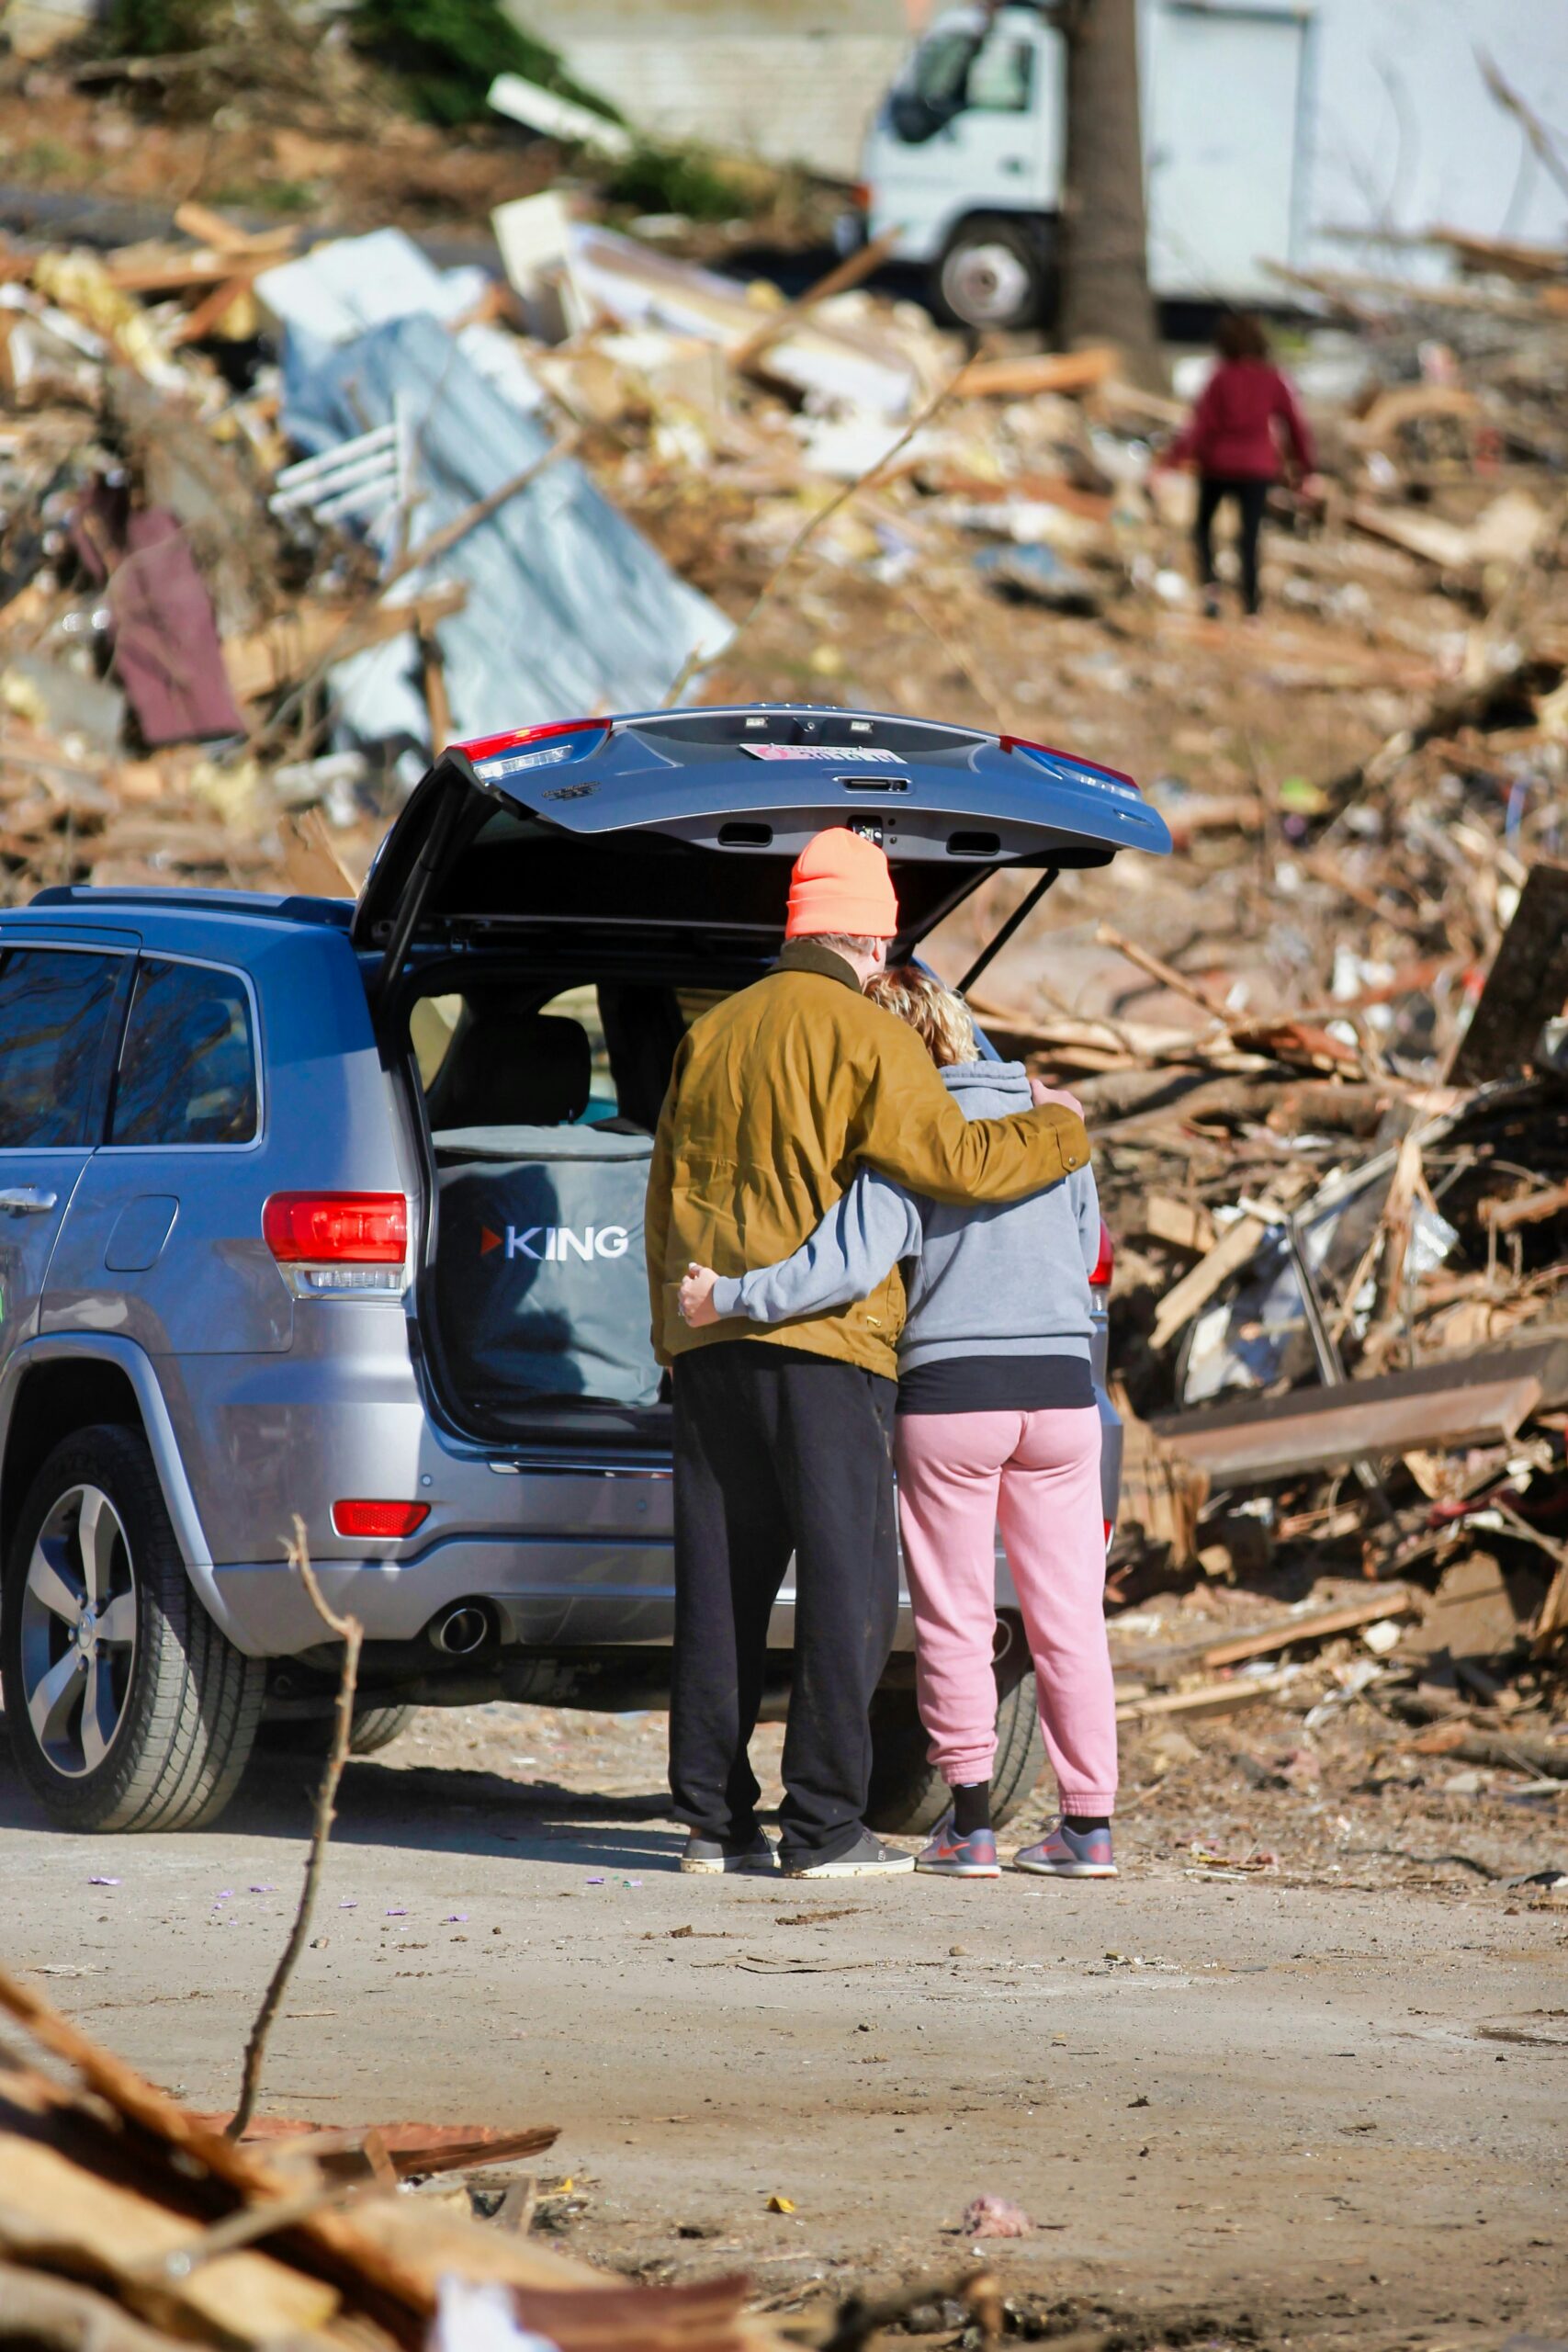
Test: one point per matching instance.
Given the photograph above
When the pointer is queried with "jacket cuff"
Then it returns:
(1072, 1136)
(727, 1296)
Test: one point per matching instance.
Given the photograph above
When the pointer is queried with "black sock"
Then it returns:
(1078, 1822)
(971, 1808)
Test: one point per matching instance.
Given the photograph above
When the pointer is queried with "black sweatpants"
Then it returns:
(1251, 496)
(778, 1451)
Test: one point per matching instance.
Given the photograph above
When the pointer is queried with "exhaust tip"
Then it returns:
(460, 1630)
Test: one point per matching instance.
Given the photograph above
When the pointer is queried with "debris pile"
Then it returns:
(127, 2221)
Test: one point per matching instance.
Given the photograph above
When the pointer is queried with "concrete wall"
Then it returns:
(788, 81)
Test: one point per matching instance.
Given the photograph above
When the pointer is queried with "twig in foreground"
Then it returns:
(351, 1633)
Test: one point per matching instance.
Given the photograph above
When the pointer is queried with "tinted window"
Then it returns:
(55, 1018)
(188, 1070)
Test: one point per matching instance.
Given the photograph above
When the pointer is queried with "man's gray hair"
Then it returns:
(847, 943)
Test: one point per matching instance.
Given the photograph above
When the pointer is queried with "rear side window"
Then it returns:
(188, 1069)
(55, 1007)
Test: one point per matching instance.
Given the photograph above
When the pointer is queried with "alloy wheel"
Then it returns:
(78, 1631)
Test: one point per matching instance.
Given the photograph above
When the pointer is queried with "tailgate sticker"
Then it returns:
(871, 754)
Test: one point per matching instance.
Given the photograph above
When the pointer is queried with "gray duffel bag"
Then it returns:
(541, 1263)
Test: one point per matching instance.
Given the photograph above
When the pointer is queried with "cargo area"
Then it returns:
(536, 1104)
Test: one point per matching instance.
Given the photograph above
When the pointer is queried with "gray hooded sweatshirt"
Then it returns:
(1009, 1280)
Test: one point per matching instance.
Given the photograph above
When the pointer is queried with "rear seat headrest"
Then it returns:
(512, 1070)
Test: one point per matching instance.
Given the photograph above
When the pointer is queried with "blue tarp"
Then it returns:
(570, 610)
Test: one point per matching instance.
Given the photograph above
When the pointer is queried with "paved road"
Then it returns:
(1331, 2116)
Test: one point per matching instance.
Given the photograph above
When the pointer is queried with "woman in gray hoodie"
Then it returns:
(997, 1425)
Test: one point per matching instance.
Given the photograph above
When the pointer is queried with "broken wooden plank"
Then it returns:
(1237, 1244)
(285, 650)
(1328, 1427)
(1182, 1224)
(1313, 1626)
(1207, 1698)
(1046, 371)
(1527, 986)
(64, 2217)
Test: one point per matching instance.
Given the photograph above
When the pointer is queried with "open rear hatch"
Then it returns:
(687, 822)
(648, 856)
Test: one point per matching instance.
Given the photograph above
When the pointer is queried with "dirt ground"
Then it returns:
(1318, 2102)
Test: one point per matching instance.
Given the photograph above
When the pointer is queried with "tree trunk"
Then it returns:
(1105, 277)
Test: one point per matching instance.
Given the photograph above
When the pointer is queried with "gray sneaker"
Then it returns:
(715, 1855)
(867, 1858)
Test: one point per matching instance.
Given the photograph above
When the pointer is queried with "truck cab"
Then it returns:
(966, 155)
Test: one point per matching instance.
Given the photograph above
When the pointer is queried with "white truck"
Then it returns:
(965, 154)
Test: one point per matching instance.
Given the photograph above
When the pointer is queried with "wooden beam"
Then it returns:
(1333, 1426)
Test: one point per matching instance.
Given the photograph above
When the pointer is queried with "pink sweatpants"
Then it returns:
(1036, 1476)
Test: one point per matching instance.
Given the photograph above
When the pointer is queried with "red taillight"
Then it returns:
(860, 196)
(484, 747)
(1050, 752)
(381, 1521)
(1105, 1264)
(337, 1229)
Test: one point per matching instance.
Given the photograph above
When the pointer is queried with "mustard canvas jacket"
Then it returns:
(776, 1095)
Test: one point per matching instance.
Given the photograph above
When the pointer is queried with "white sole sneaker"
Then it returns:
(733, 1866)
(1068, 1870)
(852, 1866)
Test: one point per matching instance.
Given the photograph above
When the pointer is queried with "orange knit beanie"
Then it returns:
(840, 883)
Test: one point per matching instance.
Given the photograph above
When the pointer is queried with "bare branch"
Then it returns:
(351, 1633)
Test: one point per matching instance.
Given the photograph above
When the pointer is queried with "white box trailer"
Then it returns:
(1267, 124)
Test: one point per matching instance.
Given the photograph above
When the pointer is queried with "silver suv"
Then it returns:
(336, 1210)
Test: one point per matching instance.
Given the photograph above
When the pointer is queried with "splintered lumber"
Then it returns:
(1182, 1224)
(58, 2214)
(1527, 986)
(1448, 546)
(1047, 371)
(1314, 1625)
(37, 2310)
(414, 2150)
(1477, 1399)
(285, 650)
(1207, 1698)
(1236, 1246)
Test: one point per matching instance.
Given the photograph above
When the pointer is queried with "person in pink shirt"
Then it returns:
(1245, 429)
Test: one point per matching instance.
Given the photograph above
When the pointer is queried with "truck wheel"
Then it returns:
(908, 1796)
(128, 1709)
(992, 275)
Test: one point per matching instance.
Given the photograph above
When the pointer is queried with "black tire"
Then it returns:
(993, 277)
(376, 1727)
(310, 1737)
(908, 1796)
(184, 1703)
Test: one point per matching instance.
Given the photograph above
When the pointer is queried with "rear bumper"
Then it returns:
(545, 1593)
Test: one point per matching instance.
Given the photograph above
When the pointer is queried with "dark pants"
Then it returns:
(1251, 496)
(777, 1450)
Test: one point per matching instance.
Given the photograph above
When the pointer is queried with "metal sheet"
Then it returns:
(569, 608)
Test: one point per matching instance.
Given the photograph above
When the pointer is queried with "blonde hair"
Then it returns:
(939, 1019)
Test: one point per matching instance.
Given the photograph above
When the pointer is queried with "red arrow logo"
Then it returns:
(488, 1240)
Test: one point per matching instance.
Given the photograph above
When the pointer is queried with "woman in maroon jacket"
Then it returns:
(1247, 419)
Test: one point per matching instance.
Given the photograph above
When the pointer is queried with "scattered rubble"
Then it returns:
(279, 518)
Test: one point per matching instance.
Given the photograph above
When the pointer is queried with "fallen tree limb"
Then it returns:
(1517, 1751)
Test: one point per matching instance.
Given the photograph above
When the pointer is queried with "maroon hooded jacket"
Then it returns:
(1234, 429)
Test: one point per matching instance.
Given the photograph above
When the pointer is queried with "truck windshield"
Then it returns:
(962, 67)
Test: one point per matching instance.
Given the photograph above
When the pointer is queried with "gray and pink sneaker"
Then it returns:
(1069, 1853)
(949, 1856)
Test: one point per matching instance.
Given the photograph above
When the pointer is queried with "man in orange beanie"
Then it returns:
(783, 1435)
